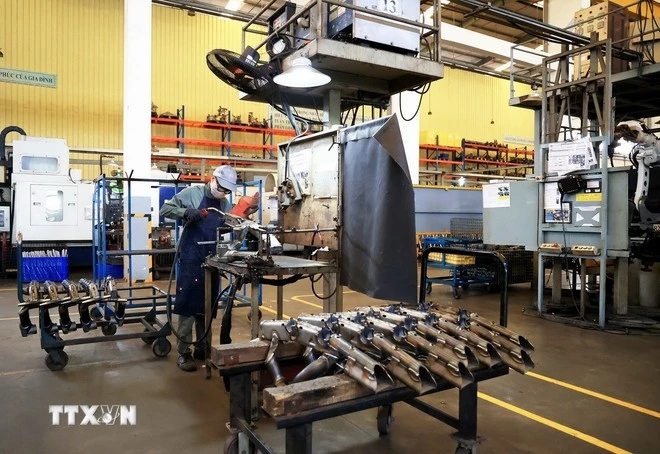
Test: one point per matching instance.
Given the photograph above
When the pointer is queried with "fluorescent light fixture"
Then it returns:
(234, 5)
(503, 67)
(301, 75)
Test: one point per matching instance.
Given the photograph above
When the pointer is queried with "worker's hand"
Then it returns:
(192, 215)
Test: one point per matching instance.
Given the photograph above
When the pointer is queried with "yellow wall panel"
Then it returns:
(463, 104)
(78, 41)
(81, 41)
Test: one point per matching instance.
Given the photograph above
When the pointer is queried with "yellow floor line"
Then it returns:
(299, 299)
(272, 311)
(595, 394)
(17, 372)
(8, 318)
(560, 427)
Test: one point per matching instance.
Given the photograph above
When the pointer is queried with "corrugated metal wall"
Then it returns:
(181, 77)
(81, 41)
(463, 104)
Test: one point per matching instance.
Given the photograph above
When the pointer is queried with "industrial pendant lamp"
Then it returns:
(301, 75)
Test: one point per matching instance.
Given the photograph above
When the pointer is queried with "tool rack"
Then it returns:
(239, 369)
(99, 307)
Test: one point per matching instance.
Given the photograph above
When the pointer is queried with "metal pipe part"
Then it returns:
(404, 367)
(271, 362)
(317, 368)
(361, 367)
(438, 362)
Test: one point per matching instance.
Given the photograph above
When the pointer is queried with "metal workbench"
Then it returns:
(253, 274)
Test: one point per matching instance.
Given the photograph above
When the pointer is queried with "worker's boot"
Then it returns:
(199, 353)
(186, 363)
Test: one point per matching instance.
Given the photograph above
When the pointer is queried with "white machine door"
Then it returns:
(53, 205)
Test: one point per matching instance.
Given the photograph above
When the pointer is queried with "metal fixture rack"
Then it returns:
(298, 425)
(100, 232)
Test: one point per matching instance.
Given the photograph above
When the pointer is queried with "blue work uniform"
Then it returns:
(190, 281)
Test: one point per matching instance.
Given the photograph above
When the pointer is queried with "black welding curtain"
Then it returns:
(378, 256)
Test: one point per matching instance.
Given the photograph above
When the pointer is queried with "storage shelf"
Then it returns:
(221, 126)
(482, 146)
(212, 143)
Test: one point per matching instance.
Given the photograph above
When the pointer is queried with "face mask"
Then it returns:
(217, 193)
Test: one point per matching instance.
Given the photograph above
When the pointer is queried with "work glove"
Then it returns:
(192, 215)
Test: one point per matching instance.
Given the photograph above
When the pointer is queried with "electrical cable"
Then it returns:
(168, 307)
(316, 294)
(421, 91)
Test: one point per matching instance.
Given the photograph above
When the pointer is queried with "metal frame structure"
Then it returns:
(600, 99)
(298, 426)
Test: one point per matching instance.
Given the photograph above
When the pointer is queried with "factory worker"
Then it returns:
(201, 225)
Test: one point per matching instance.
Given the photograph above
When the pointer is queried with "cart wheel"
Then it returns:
(429, 287)
(457, 292)
(492, 288)
(384, 419)
(109, 330)
(460, 449)
(96, 314)
(249, 316)
(161, 347)
(156, 275)
(57, 364)
(148, 340)
(465, 286)
(231, 444)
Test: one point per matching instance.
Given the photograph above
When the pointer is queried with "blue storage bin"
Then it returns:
(45, 269)
(116, 271)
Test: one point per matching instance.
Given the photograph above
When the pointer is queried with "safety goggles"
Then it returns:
(221, 189)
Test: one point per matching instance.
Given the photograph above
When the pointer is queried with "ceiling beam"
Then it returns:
(472, 19)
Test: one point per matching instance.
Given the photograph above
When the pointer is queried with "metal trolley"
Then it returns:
(98, 307)
(298, 425)
(463, 269)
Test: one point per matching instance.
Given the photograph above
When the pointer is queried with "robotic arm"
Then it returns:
(646, 155)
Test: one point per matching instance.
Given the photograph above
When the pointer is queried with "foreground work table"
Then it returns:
(295, 407)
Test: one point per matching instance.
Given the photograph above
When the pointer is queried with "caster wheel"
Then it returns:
(96, 314)
(57, 364)
(465, 286)
(429, 287)
(156, 275)
(161, 347)
(148, 340)
(384, 419)
(109, 330)
(231, 444)
(457, 292)
(463, 450)
(249, 316)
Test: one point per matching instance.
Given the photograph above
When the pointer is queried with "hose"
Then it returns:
(3, 135)
(168, 306)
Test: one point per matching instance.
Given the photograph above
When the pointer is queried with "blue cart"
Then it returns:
(463, 269)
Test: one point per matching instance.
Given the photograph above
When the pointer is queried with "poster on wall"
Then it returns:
(497, 195)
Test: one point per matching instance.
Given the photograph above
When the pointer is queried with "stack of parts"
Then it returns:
(84, 294)
(378, 345)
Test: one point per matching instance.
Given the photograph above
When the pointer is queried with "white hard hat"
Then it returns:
(226, 177)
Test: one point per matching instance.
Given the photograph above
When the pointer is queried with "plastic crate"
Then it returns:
(116, 271)
(45, 269)
(454, 259)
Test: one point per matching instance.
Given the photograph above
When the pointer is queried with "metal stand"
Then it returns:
(298, 426)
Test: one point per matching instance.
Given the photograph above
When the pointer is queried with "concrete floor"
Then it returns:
(179, 412)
